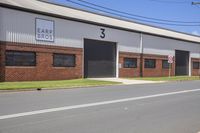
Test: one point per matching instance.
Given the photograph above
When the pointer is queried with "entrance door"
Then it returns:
(99, 59)
(182, 62)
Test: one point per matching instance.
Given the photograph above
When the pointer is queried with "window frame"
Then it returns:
(73, 55)
(163, 67)
(198, 66)
(20, 65)
(129, 58)
(148, 66)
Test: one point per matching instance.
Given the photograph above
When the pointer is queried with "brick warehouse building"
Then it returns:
(44, 41)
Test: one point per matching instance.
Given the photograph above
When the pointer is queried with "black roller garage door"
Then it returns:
(182, 62)
(99, 59)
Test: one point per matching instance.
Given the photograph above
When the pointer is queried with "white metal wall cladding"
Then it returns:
(20, 27)
(1, 25)
(166, 46)
(38, 5)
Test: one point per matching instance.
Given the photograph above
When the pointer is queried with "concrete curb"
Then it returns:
(49, 89)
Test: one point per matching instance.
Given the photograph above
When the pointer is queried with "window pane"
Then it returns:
(196, 65)
(130, 63)
(17, 58)
(64, 60)
(150, 63)
(165, 64)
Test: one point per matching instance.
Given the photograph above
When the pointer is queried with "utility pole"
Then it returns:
(195, 3)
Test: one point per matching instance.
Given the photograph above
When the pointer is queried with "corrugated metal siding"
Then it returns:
(17, 27)
(153, 44)
(92, 17)
(20, 27)
(1, 25)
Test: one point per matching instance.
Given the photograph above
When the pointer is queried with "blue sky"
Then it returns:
(175, 10)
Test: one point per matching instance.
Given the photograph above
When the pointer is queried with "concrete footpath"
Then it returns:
(127, 81)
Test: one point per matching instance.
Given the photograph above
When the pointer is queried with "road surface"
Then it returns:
(151, 108)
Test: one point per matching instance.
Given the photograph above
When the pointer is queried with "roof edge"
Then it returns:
(118, 18)
(97, 23)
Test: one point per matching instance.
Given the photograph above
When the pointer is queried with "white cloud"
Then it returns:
(196, 33)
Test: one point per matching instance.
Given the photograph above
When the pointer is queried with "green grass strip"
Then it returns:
(53, 84)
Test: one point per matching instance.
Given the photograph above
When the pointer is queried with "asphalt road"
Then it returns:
(154, 108)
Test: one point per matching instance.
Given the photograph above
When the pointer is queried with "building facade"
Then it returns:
(44, 41)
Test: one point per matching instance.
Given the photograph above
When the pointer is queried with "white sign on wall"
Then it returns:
(44, 30)
(170, 59)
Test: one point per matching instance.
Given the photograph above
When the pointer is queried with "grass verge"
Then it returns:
(53, 84)
(174, 78)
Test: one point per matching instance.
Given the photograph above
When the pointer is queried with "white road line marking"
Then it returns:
(92, 104)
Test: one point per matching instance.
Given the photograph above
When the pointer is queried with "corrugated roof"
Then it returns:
(76, 14)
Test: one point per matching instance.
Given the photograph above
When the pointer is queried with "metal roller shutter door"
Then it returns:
(99, 59)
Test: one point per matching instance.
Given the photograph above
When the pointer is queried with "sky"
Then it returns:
(172, 10)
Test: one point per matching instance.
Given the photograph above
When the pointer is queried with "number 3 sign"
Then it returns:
(103, 35)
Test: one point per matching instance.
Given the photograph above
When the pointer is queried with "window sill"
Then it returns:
(63, 67)
(129, 67)
(20, 66)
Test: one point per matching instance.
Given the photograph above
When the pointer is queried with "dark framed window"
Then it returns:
(130, 62)
(150, 63)
(64, 60)
(165, 64)
(20, 58)
(196, 65)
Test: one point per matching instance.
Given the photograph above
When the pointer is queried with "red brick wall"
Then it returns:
(158, 71)
(147, 72)
(2, 60)
(44, 69)
(195, 72)
(129, 72)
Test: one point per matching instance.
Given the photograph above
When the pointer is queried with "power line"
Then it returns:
(171, 2)
(130, 18)
(195, 3)
(121, 12)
